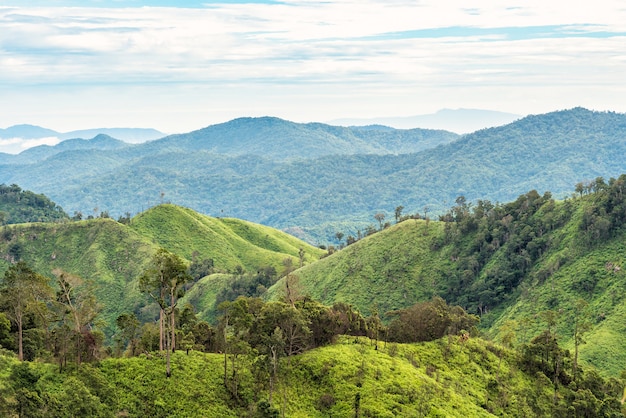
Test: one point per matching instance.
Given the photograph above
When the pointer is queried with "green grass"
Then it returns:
(229, 242)
(389, 270)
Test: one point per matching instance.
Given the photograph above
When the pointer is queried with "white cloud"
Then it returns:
(235, 56)
(17, 145)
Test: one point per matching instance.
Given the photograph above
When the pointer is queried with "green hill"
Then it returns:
(111, 256)
(389, 270)
(448, 377)
(229, 242)
(505, 262)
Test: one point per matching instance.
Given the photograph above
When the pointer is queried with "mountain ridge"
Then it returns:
(323, 194)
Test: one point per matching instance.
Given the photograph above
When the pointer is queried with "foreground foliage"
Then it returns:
(452, 377)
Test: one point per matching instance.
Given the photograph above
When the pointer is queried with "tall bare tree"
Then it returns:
(80, 309)
(163, 281)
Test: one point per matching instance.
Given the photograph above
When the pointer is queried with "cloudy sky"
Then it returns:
(182, 65)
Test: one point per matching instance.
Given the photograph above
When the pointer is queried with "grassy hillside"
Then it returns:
(111, 256)
(389, 270)
(106, 254)
(229, 242)
(449, 377)
(510, 262)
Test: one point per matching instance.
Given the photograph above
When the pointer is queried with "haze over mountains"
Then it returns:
(316, 179)
(17, 138)
(461, 121)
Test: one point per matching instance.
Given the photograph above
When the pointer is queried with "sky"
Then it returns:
(177, 66)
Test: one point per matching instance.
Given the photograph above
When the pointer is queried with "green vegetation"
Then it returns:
(22, 206)
(504, 262)
(449, 377)
(219, 316)
(318, 180)
(110, 256)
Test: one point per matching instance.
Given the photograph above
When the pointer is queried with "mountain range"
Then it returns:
(315, 179)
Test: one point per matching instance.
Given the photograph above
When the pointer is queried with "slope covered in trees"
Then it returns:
(245, 169)
(316, 179)
(532, 261)
(22, 206)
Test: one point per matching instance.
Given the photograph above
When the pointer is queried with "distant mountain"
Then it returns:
(15, 139)
(279, 139)
(461, 121)
(319, 194)
(130, 135)
(26, 131)
(41, 152)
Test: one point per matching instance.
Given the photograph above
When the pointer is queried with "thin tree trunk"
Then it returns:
(225, 355)
(168, 369)
(20, 338)
(172, 321)
(161, 331)
(273, 374)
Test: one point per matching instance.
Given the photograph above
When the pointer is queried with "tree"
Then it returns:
(128, 325)
(20, 290)
(581, 326)
(398, 213)
(163, 281)
(79, 310)
(380, 217)
(339, 236)
(292, 288)
(200, 268)
(301, 256)
(374, 326)
(235, 324)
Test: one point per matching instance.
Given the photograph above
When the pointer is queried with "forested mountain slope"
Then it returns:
(18, 206)
(319, 196)
(278, 139)
(533, 261)
(42, 152)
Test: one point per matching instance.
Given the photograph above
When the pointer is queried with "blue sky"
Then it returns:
(182, 65)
